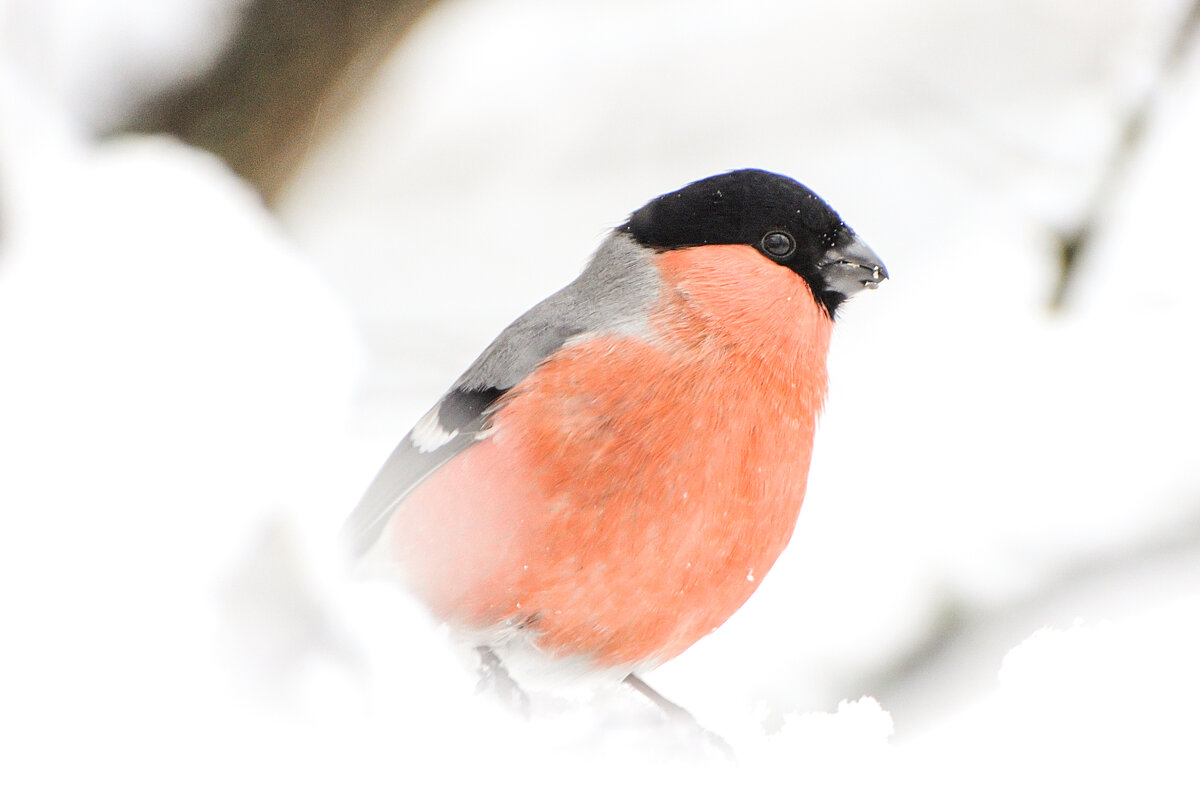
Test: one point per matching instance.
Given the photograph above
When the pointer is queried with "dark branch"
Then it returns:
(291, 67)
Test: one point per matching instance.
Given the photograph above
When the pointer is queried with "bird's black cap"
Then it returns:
(781, 218)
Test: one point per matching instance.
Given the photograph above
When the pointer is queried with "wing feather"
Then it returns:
(614, 293)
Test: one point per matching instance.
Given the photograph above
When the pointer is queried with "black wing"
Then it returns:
(458, 421)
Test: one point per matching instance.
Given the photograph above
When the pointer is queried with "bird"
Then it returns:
(614, 475)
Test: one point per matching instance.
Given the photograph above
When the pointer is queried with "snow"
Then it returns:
(1106, 707)
(195, 391)
(98, 58)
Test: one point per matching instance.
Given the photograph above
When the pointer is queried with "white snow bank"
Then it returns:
(1104, 708)
(175, 383)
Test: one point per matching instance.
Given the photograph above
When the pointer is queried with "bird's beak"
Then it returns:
(852, 267)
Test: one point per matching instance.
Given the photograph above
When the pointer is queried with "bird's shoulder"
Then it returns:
(613, 295)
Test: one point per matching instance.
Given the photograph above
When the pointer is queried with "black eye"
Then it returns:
(778, 244)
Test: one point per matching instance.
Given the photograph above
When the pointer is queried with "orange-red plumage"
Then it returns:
(634, 488)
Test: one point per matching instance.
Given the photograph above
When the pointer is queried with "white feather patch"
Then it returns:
(428, 434)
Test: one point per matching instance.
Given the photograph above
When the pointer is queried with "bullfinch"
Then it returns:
(610, 480)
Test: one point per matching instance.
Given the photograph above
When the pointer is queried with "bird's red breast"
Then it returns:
(635, 488)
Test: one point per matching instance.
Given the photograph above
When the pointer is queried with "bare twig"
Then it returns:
(678, 715)
(1073, 243)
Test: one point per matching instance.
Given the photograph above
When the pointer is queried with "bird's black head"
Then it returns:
(775, 215)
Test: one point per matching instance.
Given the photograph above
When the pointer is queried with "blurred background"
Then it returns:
(244, 244)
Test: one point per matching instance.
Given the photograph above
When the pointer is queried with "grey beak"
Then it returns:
(852, 267)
